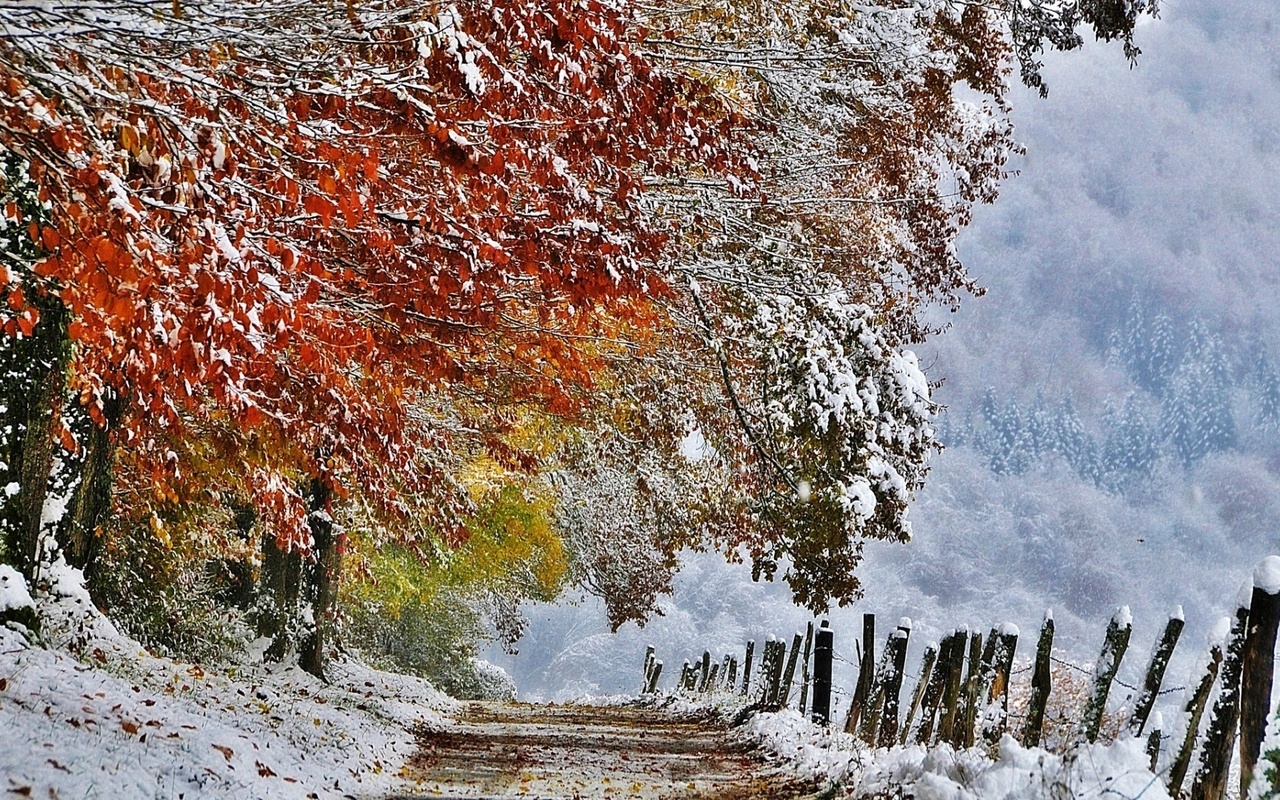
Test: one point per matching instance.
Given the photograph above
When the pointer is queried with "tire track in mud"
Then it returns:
(550, 752)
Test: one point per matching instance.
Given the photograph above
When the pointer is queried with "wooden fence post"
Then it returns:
(925, 680)
(805, 674)
(746, 666)
(964, 736)
(933, 693)
(951, 691)
(1153, 740)
(1195, 710)
(704, 675)
(733, 674)
(1041, 684)
(654, 674)
(1155, 671)
(1258, 665)
(866, 674)
(1114, 645)
(897, 652)
(784, 694)
(1215, 757)
(724, 673)
(775, 677)
(823, 645)
(648, 667)
(766, 670)
(996, 717)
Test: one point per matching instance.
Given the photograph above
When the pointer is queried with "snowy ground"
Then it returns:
(1117, 771)
(93, 715)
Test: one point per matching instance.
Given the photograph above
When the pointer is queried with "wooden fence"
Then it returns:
(961, 695)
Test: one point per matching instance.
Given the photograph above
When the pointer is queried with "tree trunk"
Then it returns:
(80, 538)
(323, 573)
(31, 451)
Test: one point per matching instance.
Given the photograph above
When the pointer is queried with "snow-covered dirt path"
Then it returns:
(547, 751)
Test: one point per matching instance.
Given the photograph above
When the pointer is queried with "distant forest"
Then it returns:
(1190, 396)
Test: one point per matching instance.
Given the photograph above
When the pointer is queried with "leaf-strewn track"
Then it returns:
(538, 751)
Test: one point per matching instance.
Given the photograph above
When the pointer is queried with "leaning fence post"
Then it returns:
(873, 706)
(1215, 757)
(926, 675)
(805, 675)
(784, 694)
(1041, 684)
(1155, 671)
(933, 692)
(822, 649)
(866, 674)
(654, 674)
(893, 684)
(1195, 710)
(1258, 666)
(1114, 645)
(746, 666)
(775, 676)
(733, 674)
(766, 670)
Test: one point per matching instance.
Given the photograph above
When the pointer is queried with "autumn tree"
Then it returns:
(294, 224)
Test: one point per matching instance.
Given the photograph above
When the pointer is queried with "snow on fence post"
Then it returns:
(713, 678)
(1041, 684)
(897, 658)
(1258, 665)
(733, 674)
(866, 669)
(933, 686)
(684, 676)
(654, 674)
(1155, 671)
(951, 691)
(995, 718)
(822, 650)
(1215, 757)
(746, 666)
(724, 674)
(968, 715)
(1114, 645)
(1195, 710)
(648, 667)
(805, 674)
(784, 695)
(926, 674)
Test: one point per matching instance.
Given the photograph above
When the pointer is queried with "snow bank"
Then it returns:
(943, 773)
(117, 721)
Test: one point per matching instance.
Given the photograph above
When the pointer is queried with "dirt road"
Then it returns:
(578, 752)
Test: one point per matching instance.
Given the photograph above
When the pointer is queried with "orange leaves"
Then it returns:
(322, 207)
(312, 293)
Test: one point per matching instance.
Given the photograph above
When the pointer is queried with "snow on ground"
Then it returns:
(115, 721)
(1088, 771)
